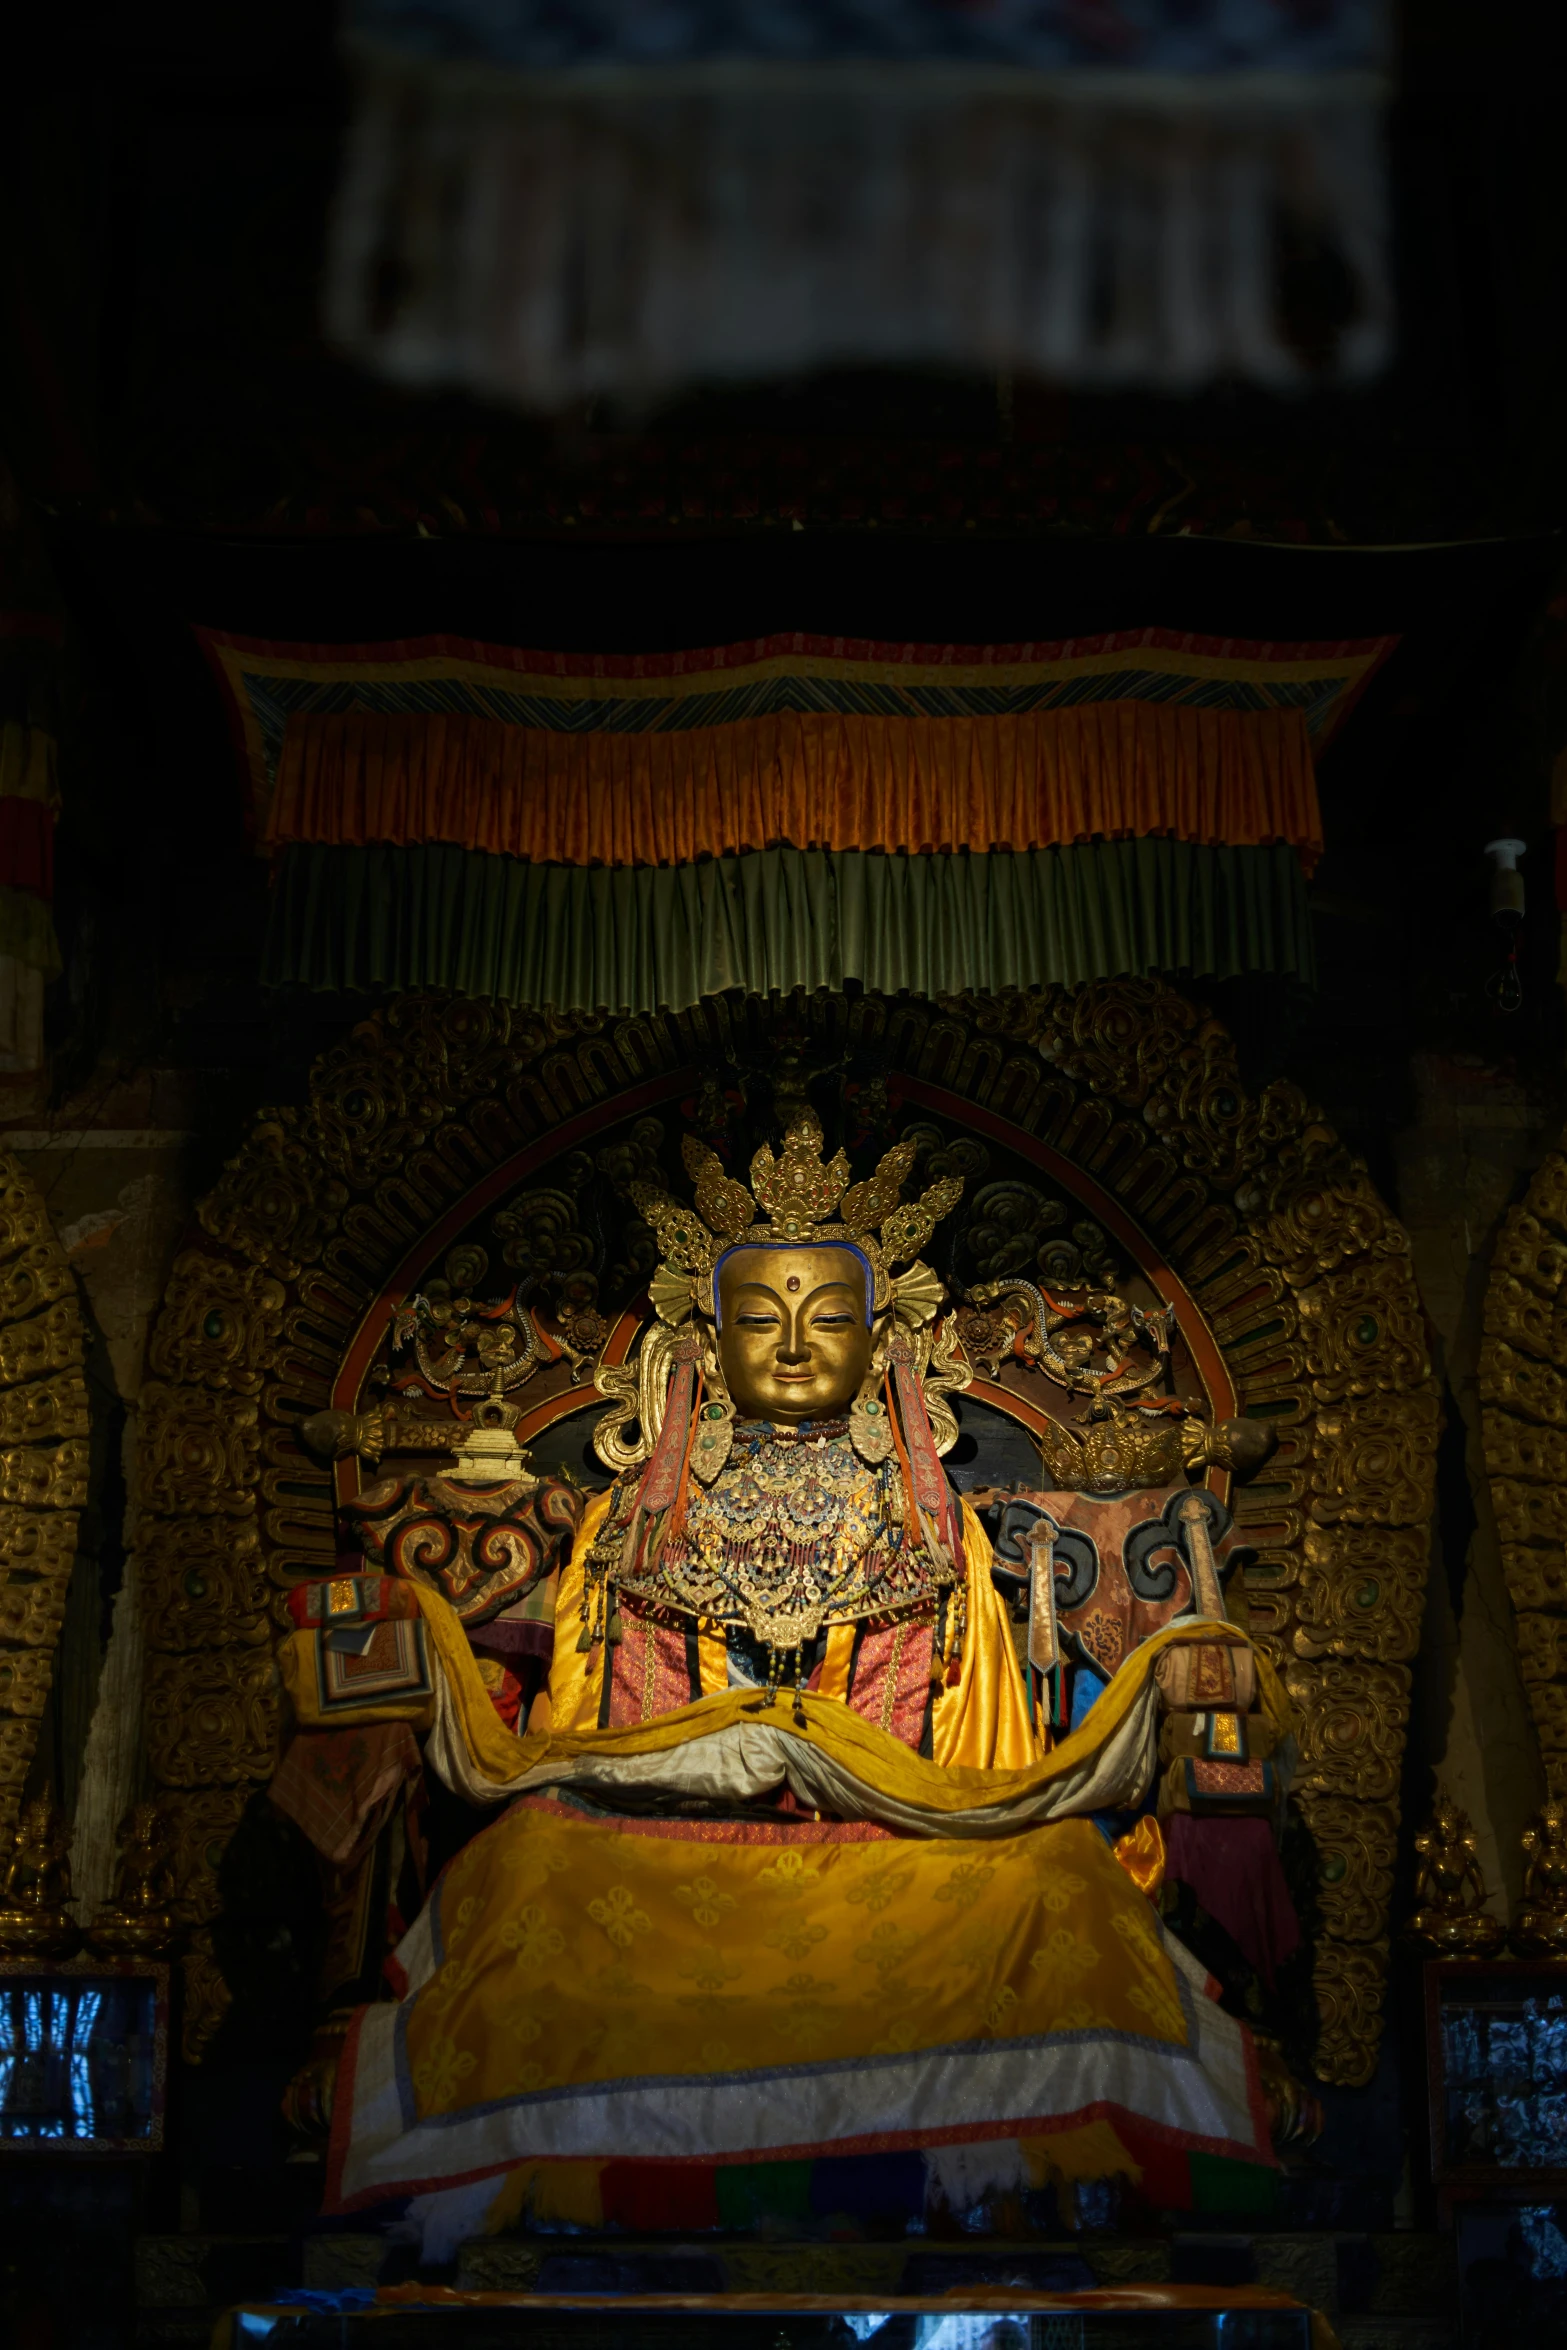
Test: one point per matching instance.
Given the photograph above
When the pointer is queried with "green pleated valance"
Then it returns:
(646, 938)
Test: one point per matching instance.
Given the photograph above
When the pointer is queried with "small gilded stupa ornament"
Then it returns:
(489, 1453)
(1540, 1928)
(139, 1921)
(35, 1888)
(1450, 1918)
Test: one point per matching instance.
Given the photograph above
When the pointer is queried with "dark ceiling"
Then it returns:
(187, 451)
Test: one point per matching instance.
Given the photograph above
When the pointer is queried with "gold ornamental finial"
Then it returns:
(1062, 1335)
(1111, 1351)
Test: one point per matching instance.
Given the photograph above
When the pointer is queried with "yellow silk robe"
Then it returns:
(610, 1971)
(980, 1722)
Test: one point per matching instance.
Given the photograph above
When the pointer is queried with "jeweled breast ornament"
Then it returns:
(788, 1404)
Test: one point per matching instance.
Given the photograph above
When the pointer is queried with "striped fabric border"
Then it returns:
(29, 806)
(266, 683)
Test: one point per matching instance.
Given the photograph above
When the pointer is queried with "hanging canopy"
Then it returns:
(625, 833)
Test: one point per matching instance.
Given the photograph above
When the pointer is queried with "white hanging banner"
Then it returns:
(629, 197)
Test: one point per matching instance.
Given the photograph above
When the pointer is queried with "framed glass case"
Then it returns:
(84, 2053)
(1497, 2042)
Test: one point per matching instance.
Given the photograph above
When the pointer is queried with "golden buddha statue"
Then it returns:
(775, 1520)
(1540, 1928)
(1450, 1919)
(139, 1921)
(791, 1864)
(35, 1888)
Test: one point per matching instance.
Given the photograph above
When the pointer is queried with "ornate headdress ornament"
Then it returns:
(805, 1202)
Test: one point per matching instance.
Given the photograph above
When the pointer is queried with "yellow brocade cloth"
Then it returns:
(656, 1954)
(986, 1774)
(700, 1990)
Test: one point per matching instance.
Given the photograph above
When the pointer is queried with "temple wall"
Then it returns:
(118, 1196)
(1475, 1142)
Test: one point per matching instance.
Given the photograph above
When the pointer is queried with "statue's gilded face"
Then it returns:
(792, 1338)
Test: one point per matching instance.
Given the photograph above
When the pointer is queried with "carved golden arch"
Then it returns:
(1301, 1277)
(44, 1428)
(1523, 1397)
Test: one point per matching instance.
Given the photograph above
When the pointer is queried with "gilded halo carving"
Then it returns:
(1523, 1400)
(1300, 1276)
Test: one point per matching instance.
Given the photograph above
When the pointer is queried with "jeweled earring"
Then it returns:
(870, 1423)
(715, 1424)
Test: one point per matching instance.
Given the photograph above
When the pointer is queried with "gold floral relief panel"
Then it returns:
(1523, 1421)
(219, 1324)
(1357, 1845)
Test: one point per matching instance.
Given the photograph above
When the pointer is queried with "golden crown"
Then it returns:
(802, 1198)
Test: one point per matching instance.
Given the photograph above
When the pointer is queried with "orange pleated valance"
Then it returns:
(1103, 770)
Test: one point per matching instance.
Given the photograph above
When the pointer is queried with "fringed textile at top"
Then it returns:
(641, 939)
(1112, 771)
(663, 719)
